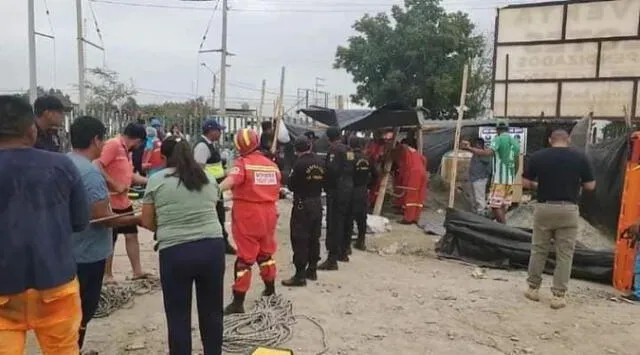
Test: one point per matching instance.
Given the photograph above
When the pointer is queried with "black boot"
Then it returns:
(311, 274)
(360, 244)
(344, 258)
(298, 280)
(228, 248)
(269, 289)
(237, 305)
(329, 264)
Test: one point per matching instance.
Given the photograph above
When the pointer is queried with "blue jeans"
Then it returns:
(201, 262)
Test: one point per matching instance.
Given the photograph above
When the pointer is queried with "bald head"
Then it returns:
(559, 138)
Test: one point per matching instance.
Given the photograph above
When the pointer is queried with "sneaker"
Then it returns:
(533, 294)
(558, 302)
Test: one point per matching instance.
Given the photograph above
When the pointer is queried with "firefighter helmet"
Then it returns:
(246, 141)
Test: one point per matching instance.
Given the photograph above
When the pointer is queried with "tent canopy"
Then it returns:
(331, 117)
(390, 115)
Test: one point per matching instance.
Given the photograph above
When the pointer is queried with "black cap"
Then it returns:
(302, 144)
(48, 103)
(135, 131)
(333, 133)
(311, 135)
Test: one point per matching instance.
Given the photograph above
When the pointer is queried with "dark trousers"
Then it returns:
(305, 227)
(90, 277)
(337, 209)
(222, 217)
(201, 262)
(358, 213)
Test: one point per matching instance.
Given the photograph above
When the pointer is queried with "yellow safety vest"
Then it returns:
(216, 170)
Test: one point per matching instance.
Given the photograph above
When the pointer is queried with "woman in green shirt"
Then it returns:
(180, 206)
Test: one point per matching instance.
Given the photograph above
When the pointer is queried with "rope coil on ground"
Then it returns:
(270, 323)
(116, 296)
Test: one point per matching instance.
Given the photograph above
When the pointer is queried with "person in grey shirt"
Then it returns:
(479, 172)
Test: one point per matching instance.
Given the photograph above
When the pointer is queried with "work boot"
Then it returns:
(237, 305)
(533, 294)
(228, 248)
(269, 289)
(344, 258)
(311, 274)
(329, 265)
(558, 302)
(360, 244)
(298, 280)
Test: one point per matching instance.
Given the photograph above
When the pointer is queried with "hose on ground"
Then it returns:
(118, 296)
(270, 323)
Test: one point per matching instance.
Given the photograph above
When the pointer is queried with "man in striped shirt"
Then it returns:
(506, 152)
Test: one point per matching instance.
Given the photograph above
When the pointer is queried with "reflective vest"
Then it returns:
(261, 181)
(214, 165)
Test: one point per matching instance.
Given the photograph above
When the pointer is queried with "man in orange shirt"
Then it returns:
(254, 181)
(117, 169)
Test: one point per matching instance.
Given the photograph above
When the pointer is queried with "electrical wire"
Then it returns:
(206, 32)
(53, 39)
(99, 33)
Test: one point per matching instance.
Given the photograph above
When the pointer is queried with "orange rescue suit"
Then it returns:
(256, 190)
(413, 172)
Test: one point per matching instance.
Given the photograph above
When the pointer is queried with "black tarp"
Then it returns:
(476, 239)
(390, 115)
(331, 117)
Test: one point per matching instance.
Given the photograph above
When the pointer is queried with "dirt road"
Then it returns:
(407, 302)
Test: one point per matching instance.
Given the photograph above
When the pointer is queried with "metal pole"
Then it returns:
(33, 80)
(456, 141)
(213, 94)
(81, 68)
(223, 61)
(264, 88)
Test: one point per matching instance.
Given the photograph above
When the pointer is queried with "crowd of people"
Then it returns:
(61, 215)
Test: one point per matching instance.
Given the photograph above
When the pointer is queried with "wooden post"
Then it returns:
(264, 89)
(456, 140)
(384, 181)
(279, 113)
(419, 138)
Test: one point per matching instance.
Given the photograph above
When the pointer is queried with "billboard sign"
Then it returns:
(567, 58)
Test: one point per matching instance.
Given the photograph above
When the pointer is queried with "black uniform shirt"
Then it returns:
(307, 176)
(340, 167)
(47, 140)
(365, 173)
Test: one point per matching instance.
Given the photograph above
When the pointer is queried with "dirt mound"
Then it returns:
(588, 235)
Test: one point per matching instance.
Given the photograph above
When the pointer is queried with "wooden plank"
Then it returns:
(456, 140)
(377, 208)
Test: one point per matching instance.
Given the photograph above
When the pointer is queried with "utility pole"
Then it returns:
(264, 88)
(223, 61)
(213, 93)
(81, 66)
(33, 80)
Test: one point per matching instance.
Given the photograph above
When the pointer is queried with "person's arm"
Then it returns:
(478, 151)
(139, 179)
(530, 174)
(515, 148)
(586, 175)
(373, 175)
(108, 155)
(78, 204)
(235, 177)
(148, 217)
(201, 154)
(96, 188)
(294, 176)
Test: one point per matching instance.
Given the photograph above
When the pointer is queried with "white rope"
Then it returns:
(270, 323)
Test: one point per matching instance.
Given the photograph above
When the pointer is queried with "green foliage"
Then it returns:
(177, 112)
(418, 51)
(106, 90)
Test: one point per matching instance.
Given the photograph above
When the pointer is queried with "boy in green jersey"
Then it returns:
(506, 153)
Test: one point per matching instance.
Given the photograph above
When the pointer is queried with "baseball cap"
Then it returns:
(502, 124)
(49, 103)
(155, 123)
(302, 144)
(135, 131)
(210, 124)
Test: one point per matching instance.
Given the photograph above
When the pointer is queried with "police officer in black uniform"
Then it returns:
(364, 178)
(338, 185)
(305, 181)
(206, 154)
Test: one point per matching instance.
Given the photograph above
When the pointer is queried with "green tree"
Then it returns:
(418, 51)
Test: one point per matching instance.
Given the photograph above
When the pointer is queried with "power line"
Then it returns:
(206, 32)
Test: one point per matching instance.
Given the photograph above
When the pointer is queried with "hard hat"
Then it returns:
(246, 141)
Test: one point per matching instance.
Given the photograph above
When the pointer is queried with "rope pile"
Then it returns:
(116, 296)
(270, 323)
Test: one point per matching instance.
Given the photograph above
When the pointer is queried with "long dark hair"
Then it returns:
(179, 156)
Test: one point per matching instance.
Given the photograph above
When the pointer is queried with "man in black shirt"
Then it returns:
(49, 112)
(364, 177)
(557, 173)
(305, 181)
(339, 186)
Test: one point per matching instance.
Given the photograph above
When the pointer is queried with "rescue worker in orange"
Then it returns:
(254, 182)
(414, 172)
(375, 150)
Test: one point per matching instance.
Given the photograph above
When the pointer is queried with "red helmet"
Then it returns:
(246, 141)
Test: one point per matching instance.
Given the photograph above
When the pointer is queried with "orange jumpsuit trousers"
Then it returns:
(416, 183)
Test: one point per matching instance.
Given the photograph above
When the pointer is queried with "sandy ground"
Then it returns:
(399, 299)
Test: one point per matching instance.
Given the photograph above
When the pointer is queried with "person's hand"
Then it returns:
(465, 144)
(120, 188)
